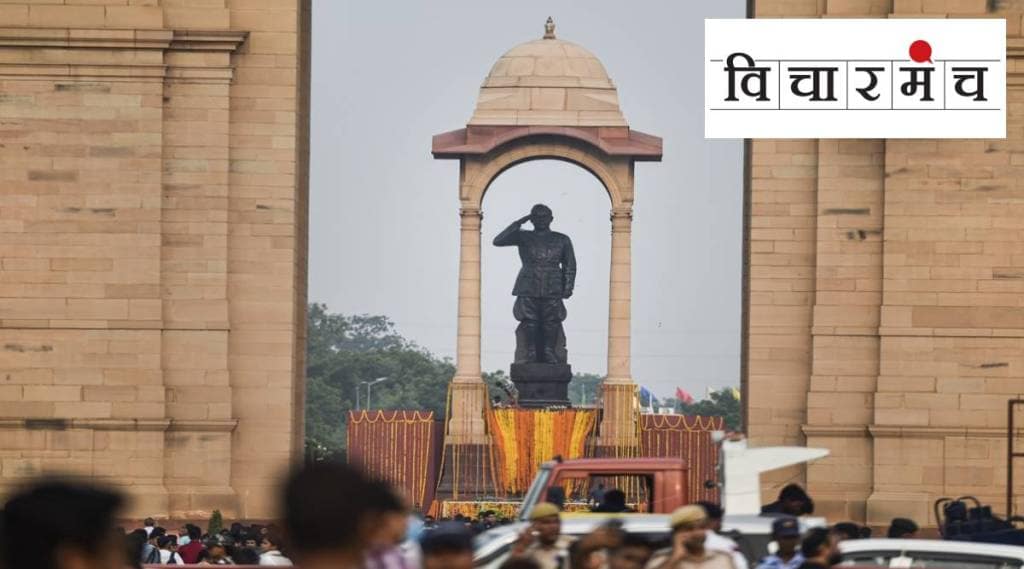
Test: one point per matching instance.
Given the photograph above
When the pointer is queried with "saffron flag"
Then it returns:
(684, 396)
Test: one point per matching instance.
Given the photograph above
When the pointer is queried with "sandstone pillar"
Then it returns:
(469, 394)
(619, 291)
(619, 391)
(845, 343)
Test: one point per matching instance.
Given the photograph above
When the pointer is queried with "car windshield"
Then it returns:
(929, 560)
(481, 540)
(533, 494)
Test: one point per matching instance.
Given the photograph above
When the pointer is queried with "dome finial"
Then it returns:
(549, 29)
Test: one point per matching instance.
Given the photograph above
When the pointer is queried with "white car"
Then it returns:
(751, 533)
(930, 554)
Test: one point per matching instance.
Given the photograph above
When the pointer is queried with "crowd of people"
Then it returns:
(332, 517)
(237, 545)
(696, 542)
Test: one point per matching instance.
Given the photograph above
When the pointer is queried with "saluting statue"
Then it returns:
(547, 277)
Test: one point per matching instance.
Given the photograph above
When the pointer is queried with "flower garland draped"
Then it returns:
(687, 437)
(524, 438)
(397, 446)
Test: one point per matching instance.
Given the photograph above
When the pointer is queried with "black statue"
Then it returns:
(547, 277)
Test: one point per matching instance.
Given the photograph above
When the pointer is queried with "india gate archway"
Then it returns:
(152, 319)
(545, 99)
(883, 316)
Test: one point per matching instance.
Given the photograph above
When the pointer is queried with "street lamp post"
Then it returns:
(370, 384)
(359, 389)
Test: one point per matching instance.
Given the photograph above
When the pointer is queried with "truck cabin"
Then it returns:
(651, 485)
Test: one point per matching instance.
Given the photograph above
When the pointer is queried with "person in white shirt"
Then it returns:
(715, 541)
(168, 554)
(148, 525)
(271, 552)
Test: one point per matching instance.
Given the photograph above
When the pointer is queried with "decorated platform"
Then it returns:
(407, 449)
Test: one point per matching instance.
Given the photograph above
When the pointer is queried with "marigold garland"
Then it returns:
(688, 437)
(398, 446)
(524, 438)
(376, 439)
(503, 509)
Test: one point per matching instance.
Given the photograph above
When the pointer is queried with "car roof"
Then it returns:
(619, 463)
(586, 521)
(582, 523)
(936, 545)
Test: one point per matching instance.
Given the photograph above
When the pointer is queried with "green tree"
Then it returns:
(342, 352)
(216, 523)
(494, 380)
(721, 403)
(585, 388)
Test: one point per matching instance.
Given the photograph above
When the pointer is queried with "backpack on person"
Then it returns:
(153, 557)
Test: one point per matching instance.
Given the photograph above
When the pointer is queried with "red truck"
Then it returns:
(662, 481)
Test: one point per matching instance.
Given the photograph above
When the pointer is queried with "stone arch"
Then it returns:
(481, 172)
(483, 154)
(526, 112)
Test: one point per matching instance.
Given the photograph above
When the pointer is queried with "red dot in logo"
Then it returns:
(921, 51)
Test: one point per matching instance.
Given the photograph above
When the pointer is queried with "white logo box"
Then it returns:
(847, 56)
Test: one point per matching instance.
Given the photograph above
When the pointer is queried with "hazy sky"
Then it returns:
(384, 225)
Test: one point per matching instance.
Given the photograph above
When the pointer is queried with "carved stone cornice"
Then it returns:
(858, 431)
(1015, 61)
(192, 40)
(162, 54)
(205, 40)
(188, 425)
(85, 38)
(1015, 47)
(899, 431)
(922, 432)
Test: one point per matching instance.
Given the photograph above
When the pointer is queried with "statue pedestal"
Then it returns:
(542, 385)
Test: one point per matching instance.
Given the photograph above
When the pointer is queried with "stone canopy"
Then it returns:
(548, 82)
(546, 99)
(548, 87)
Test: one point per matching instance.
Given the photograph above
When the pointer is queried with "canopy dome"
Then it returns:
(548, 82)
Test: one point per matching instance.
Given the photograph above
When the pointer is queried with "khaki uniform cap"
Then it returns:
(544, 510)
(688, 515)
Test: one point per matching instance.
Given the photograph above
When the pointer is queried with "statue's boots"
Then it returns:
(552, 329)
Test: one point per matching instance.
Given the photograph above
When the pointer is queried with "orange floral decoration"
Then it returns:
(397, 446)
(687, 437)
(524, 438)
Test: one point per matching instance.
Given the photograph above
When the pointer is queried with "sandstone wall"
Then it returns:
(152, 210)
(885, 314)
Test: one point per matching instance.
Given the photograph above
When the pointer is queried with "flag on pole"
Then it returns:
(684, 396)
(646, 397)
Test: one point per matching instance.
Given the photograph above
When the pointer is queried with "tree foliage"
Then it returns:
(216, 523)
(721, 403)
(585, 388)
(343, 352)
